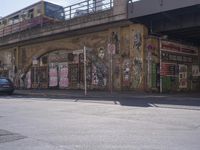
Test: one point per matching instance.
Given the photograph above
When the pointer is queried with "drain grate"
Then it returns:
(7, 136)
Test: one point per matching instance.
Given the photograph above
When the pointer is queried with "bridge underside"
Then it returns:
(180, 24)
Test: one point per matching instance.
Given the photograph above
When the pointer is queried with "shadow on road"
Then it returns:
(135, 100)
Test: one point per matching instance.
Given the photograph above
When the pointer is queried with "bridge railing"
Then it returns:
(87, 7)
(81, 9)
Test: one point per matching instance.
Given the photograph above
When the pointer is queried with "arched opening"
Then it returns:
(64, 69)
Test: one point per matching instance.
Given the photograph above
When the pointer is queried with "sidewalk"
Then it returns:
(75, 93)
(124, 98)
(99, 94)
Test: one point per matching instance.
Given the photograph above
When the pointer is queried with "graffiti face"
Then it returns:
(101, 53)
(126, 72)
(137, 40)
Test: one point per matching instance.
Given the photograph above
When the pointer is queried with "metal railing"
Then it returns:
(81, 9)
(75, 14)
(132, 1)
(87, 7)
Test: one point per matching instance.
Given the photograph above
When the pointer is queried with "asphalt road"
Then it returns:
(138, 123)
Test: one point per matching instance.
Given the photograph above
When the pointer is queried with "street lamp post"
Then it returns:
(85, 70)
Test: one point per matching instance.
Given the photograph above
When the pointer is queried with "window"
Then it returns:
(15, 19)
(10, 21)
(23, 15)
(30, 14)
(39, 10)
(5, 22)
(4, 81)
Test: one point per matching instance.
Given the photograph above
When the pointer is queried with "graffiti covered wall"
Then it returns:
(138, 35)
(115, 58)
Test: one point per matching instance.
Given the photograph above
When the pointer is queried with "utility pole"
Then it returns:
(161, 88)
(85, 70)
(111, 72)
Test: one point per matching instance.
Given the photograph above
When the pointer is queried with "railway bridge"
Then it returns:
(148, 43)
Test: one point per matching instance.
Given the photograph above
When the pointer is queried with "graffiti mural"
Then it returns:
(126, 72)
(137, 55)
(99, 70)
(101, 53)
(137, 40)
(137, 72)
(99, 74)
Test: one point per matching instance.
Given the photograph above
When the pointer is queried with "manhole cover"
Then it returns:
(6, 136)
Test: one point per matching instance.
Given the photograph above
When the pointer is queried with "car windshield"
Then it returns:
(4, 81)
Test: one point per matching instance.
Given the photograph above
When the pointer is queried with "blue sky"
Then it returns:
(9, 6)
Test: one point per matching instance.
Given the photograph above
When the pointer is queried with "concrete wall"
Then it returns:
(117, 13)
(128, 60)
(120, 9)
(148, 7)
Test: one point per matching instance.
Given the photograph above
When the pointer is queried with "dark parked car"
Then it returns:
(6, 86)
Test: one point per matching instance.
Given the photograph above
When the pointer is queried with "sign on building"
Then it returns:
(195, 71)
(182, 76)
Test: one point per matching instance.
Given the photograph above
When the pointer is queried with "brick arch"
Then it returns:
(40, 49)
(41, 54)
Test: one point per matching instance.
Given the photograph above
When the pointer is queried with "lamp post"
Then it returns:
(85, 70)
(161, 85)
